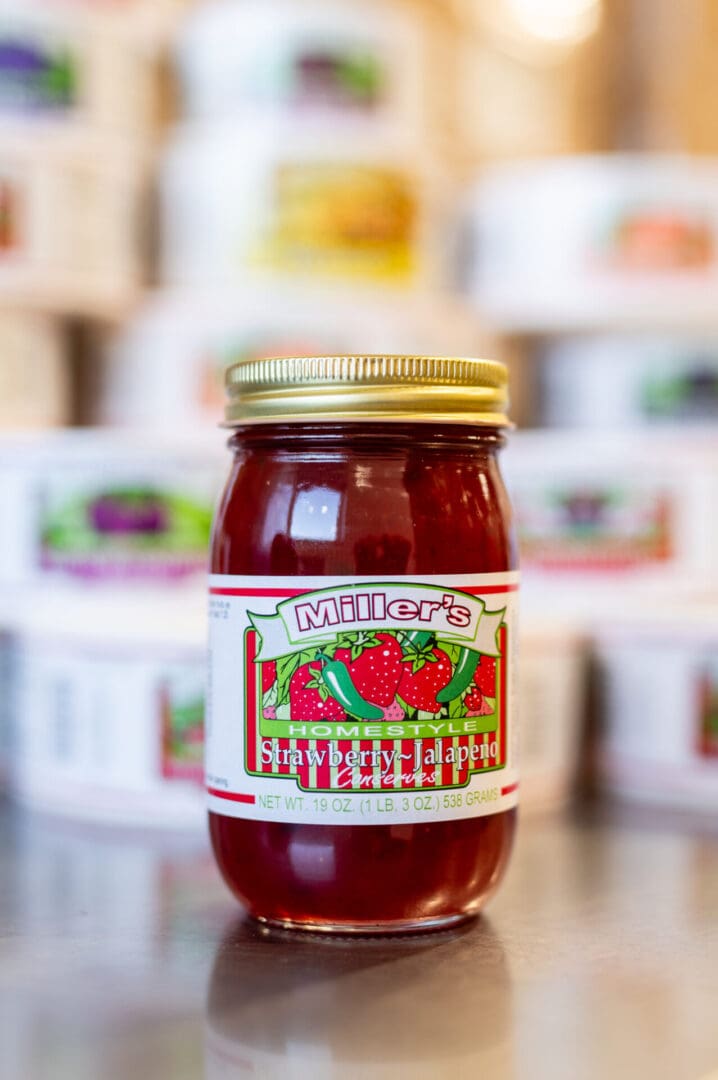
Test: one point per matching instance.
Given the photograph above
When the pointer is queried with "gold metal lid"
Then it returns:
(424, 389)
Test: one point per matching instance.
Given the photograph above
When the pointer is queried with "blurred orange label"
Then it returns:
(661, 240)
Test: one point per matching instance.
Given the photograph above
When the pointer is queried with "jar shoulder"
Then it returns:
(401, 511)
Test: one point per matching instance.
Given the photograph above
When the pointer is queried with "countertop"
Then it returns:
(122, 956)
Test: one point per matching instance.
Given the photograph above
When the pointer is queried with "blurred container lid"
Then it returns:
(129, 619)
(357, 61)
(99, 447)
(166, 366)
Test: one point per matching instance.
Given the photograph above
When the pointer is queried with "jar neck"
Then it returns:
(367, 437)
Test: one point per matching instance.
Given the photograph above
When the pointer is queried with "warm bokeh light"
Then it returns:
(560, 22)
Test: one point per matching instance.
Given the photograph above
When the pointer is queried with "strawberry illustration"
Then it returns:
(474, 699)
(423, 677)
(309, 698)
(374, 663)
(269, 675)
(485, 677)
(476, 704)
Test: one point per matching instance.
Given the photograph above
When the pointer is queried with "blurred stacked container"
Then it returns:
(112, 708)
(75, 105)
(659, 671)
(105, 535)
(102, 591)
(306, 199)
(608, 268)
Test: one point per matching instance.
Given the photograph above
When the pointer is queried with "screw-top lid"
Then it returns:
(424, 389)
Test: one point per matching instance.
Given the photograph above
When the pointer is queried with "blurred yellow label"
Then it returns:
(349, 220)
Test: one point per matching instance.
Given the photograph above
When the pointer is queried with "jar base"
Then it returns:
(369, 929)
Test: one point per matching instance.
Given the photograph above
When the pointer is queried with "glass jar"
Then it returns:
(361, 760)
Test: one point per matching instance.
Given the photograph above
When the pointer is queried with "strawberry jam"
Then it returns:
(360, 761)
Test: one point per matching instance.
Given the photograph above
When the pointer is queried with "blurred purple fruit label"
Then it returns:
(125, 530)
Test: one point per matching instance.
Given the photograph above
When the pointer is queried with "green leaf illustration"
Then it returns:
(452, 650)
(456, 709)
(271, 697)
(357, 642)
(317, 683)
(286, 667)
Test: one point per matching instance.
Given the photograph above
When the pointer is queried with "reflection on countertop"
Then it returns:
(394, 1007)
(121, 954)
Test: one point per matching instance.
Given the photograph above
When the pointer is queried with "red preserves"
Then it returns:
(361, 777)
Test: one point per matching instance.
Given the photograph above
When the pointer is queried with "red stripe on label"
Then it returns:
(323, 769)
(345, 772)
(366, 746)
(283, 747)
(387, 774)
(232, 796)
(407, 767)
(447, 769)
(487, 590)
(472, 590)
(510, 788)
(303, 772)
(464, 767)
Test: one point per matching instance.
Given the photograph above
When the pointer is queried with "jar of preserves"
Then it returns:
(361, 762)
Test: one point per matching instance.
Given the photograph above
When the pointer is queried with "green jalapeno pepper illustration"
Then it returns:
(417, 639)
(464, 672)
(338, 681)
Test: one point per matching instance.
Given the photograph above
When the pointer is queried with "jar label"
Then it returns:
(362, 701)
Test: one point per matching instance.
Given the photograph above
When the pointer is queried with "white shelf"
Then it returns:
(90, 300)
(652, 317)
